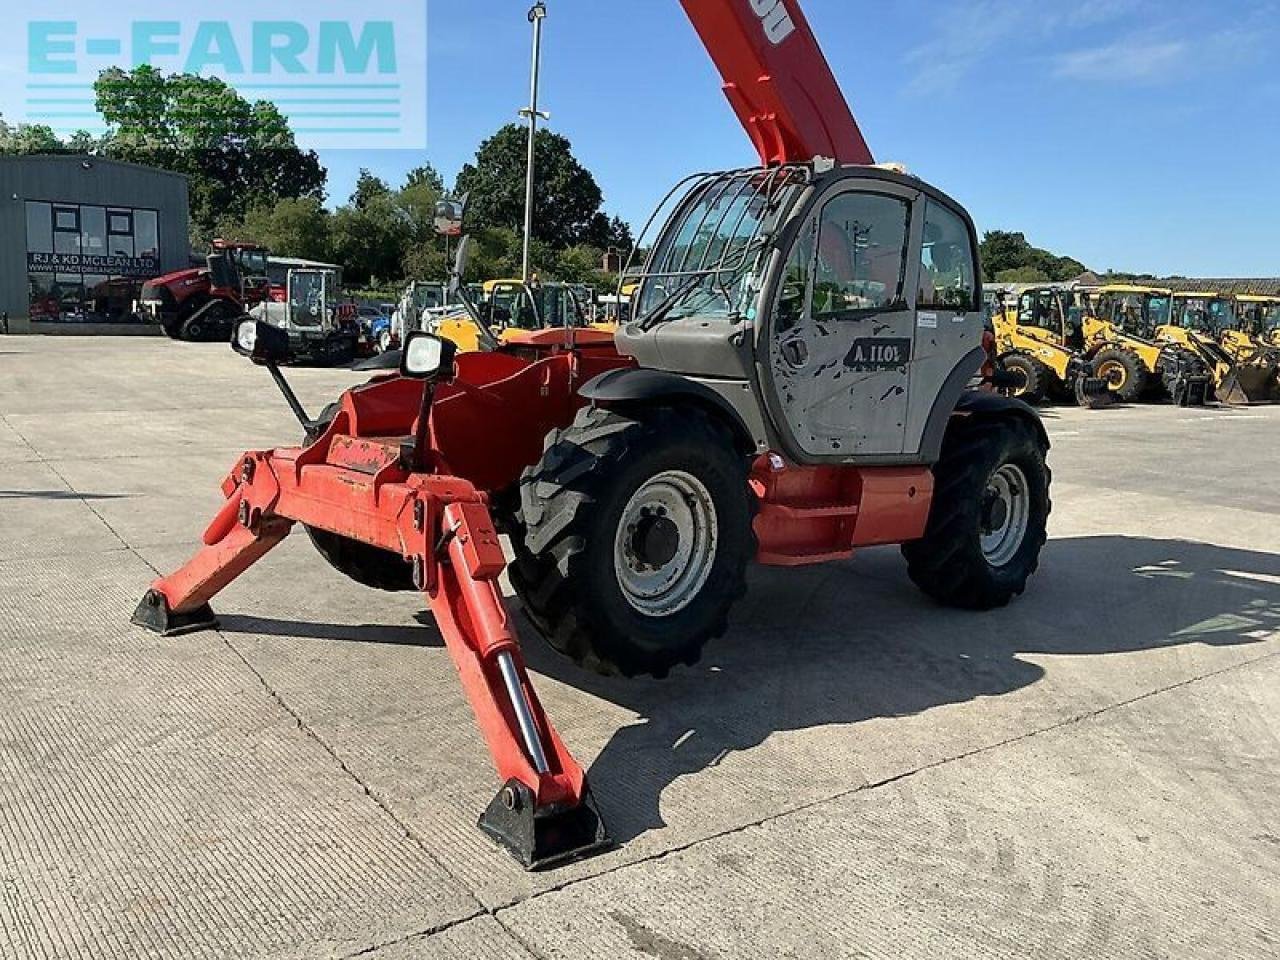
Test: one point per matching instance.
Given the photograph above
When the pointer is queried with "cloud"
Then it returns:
(1127, 60)
(969, 34)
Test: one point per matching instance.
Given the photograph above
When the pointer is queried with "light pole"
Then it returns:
(537, 14)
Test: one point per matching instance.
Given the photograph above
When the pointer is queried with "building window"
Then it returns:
(87, 263)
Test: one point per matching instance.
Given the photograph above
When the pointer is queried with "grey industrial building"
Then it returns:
(79, 235)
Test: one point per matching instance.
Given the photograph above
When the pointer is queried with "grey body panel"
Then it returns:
(826, 405)
(731, 399)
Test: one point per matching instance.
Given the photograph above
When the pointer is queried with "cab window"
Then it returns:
(948, 279)
(861, 256)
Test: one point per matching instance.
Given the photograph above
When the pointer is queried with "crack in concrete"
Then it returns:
(49, 465)
(887, 781)
(378, 801)
(496, 911)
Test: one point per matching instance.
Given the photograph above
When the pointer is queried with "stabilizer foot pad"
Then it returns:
(541, 839)
(154, 614)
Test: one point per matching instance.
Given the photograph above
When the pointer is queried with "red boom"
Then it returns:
(778, 81)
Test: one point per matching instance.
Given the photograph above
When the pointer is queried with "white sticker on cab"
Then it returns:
(928, 321)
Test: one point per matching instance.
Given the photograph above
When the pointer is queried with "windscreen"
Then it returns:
(705, 259)
(307, 299)
(1207, 315)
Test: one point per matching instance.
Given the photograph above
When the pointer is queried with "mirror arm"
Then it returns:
(413, 454)
(290, 397)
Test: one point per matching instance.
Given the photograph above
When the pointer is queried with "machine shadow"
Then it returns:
(392, 636)
(842, 644)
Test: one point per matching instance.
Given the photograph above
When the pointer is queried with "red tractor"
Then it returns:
(793, 385)
(202, 303)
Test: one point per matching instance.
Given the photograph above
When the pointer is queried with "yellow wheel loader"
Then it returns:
(1197, 319)
(512, 308)
(1120, 334)
(1041, 344)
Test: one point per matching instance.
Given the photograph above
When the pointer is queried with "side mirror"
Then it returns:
(450, 215)
(260, 342)
(427, 357)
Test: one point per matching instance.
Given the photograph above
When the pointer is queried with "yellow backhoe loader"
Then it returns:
(1197, 320)
(1120, 334)
(1256, 332)
(1041, 343)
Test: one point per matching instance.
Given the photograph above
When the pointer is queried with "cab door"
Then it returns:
(843, 326)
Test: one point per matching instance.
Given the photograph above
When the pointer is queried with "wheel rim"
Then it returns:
(1114, 373)
(666, 544)
(384, 342)
(1020, 389)
(1006, 514)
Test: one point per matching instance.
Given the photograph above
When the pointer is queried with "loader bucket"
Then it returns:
(1246, 384)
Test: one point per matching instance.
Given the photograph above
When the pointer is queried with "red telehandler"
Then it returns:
(792, 386)
(202, 303)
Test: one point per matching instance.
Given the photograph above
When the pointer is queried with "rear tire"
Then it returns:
(987, 524)
(1035, 377)
(633, 538)
(1123, 370)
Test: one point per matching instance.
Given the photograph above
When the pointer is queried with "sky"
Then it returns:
(1139, 135)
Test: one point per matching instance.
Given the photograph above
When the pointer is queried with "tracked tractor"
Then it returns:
(1197, 320)
(1120, 329)
(203, 303)
(1041, 343)
(790, 388)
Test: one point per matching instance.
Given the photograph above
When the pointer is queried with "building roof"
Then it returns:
(1263, 286)
(79, 159)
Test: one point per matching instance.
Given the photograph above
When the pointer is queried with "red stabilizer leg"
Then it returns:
(239, 536)
(544, 814)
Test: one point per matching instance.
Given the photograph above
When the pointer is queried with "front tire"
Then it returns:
(1124, 372)
(633, 538)
(989, 516)
(1033, 376)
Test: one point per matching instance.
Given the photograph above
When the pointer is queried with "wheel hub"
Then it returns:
(655, 540)
(666, 543)
(995, 512)
(1006, 514)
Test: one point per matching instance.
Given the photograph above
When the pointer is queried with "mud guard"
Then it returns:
(640, 385)
(975, 403)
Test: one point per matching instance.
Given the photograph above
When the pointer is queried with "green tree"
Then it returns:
(236, 154)
(567, 198)
(1022, 275)
(368, 188)
(371, 241)
(292, 227)
(1004, 252)
(27, 138)
(425, 175)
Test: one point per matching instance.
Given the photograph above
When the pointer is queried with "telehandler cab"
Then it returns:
(791, 387)
(1041, 342)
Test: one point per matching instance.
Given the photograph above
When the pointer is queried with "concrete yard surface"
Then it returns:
(850, 772)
